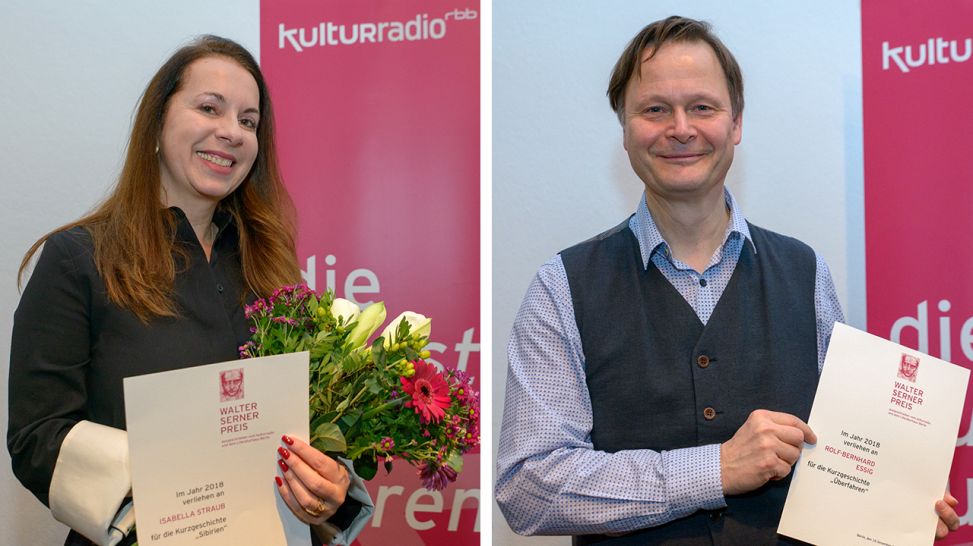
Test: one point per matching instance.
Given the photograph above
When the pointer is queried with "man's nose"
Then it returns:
(681, 128)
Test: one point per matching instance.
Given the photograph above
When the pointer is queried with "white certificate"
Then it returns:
(203, 445)
(887, 418)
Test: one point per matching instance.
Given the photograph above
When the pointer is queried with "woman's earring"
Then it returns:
(157, 148)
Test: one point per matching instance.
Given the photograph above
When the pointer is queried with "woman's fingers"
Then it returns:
(313, 485)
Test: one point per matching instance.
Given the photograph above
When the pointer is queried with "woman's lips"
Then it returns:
(221, 159)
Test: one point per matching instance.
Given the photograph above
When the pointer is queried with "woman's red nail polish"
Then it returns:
(279, 481)
(283, 465)
(283, 452)
(287, 440)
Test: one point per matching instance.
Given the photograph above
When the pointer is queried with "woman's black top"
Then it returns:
(71, 347)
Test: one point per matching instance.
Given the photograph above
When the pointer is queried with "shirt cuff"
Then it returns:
(693, 479)
(357, 492)
(91, 482)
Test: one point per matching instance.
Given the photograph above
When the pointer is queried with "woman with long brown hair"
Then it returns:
(154, 279)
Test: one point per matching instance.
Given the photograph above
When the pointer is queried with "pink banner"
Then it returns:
(917, 76)
(377, 109)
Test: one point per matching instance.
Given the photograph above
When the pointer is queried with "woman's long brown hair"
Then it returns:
(133, 233)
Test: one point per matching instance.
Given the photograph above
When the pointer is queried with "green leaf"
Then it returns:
(330, 438)
(373, 386)
(366, 468)
(349, 420)
(322, 419)
(404, 328)
(356, 452)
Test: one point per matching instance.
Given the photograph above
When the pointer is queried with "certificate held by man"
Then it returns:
(887, 418)
(203, 446)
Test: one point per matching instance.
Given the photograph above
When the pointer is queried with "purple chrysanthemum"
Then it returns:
(435, 477)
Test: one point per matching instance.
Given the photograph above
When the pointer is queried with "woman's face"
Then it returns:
(209, 134)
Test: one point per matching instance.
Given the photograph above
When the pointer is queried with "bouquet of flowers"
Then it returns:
(359, 390)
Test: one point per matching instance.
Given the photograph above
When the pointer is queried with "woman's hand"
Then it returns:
(313, 485)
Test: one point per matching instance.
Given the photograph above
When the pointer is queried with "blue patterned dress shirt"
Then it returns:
(550, 479)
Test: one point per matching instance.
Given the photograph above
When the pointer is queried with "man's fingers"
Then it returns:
(787, 453)
(789, 435)
(947, 515)
(950, 499)
(807, 435)
(782, 470)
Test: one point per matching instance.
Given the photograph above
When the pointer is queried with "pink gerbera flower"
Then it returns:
(429, 392)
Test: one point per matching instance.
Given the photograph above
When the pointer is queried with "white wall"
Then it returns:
(72, 73)
(560, 174)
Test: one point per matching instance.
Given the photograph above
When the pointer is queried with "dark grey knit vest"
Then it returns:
(660, 380)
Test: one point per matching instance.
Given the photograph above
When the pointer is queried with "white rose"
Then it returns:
(368, 321)
(419, 326)
(342, 308)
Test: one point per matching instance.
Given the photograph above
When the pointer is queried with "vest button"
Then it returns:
(709, 414)
(703, 361)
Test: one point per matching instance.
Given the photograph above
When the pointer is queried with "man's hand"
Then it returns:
(763, 449)
(948, 520)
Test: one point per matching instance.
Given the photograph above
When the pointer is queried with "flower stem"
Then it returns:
(388, 405)
(351, 404)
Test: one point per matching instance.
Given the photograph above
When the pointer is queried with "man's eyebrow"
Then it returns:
(220, 98)
(664, 97)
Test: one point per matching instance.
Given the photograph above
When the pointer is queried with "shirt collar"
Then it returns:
(651, 241)
(222, 218)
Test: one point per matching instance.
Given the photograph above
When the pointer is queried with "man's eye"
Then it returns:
(703, 108)
(654, 110)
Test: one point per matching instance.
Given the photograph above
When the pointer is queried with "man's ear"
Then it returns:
(621, 120)
(737, 129)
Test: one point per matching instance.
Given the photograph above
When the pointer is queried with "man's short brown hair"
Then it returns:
(668, 30)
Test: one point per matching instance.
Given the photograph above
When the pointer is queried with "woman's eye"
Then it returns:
(248, 123)
(208, 108)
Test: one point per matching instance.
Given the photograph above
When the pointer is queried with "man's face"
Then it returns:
(232, 381)
(679, 128)
(909, 366)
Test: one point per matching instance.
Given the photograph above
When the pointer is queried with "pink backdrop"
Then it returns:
(918, 122)
(378, 124)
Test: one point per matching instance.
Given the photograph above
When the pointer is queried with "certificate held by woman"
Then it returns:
(202, 441)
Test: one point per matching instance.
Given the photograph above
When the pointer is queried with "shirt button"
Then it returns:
(219, 288)
(702, 282)
(709, 414)
(716, 515)
(703, 361)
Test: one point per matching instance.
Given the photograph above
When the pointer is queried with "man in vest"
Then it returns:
(661, 373)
